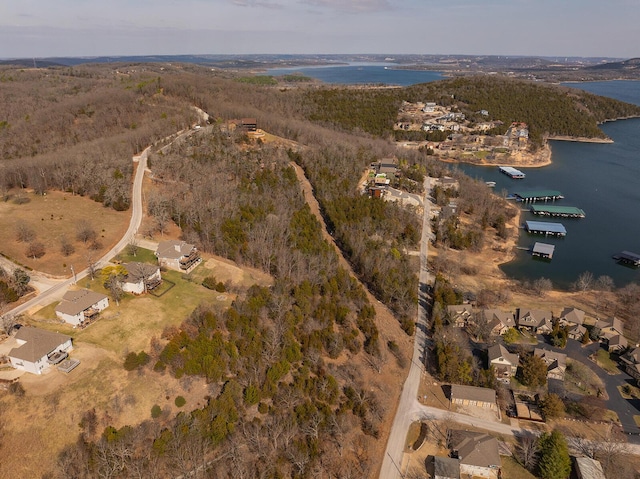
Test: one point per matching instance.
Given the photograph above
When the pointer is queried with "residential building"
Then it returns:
(446, 468)
(571, 317)
(38, 349)
(556, 362)
(459, 314)
(577, 332)
(536, 321)
(505, 364)
(478, 453)
(587, 468)
(499, 321)
(141, 277)
(617, 343)
(78, 307)
(631, 361)
(473, 396)
(177, 255)
(612, 332)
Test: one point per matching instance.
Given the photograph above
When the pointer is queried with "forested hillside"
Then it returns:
(547, 109)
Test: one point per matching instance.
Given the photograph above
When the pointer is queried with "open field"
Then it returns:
(51, 218)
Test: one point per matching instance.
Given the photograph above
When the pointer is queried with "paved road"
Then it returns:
(136, 218)
(409, 409)
(626, 408)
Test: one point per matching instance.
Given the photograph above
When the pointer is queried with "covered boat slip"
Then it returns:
(543, 250)
(628, 258)
(545, 228)
(553, 210)
(512, 172)
(537, 195)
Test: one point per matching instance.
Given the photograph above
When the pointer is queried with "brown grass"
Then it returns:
(51, 217)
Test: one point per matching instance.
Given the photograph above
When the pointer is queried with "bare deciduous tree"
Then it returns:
(85, 232)
(36, 250)
(24, 233)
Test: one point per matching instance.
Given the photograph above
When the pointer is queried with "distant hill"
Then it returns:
(626, 65)
(31, 63)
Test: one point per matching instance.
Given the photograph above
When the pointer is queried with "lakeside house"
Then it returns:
(78, 307)
(38, 349)
(536, 321)
(556, 363)
(505, 364)
(459, 314)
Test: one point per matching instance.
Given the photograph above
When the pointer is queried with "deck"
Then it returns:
(563, 211)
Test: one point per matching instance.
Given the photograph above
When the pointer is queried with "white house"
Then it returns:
(177, 255)
(79, 306)
(141, 277)
(505, 364)
(38, 349)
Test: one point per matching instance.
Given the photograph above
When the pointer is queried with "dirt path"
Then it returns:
(388, 326)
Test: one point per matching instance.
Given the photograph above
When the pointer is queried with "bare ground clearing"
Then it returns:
(52, 217)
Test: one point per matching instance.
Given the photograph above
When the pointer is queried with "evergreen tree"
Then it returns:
(555, 462)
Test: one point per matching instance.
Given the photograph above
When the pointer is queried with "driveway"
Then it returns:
(625, 408)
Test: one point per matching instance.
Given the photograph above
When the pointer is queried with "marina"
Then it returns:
(546, 228)
(628, 258)
(563, 211)
(511, 172)
(537, 195)
(543, 250)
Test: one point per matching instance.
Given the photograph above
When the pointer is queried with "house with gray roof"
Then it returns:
(141, 277)
(587, 468)
(499, 321)
(536, 321)
(178, 255)
(478, 453)
(459, 314)
(473, 396)
(446, 468)
(571, 317)
(80, 306)
(505, 364)
(556, 362)
(38, 349)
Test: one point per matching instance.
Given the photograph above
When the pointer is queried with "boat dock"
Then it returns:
(543, 250)
(512, 172)
(545, 228)
(564, 211)
(629, 258)
(537, 195)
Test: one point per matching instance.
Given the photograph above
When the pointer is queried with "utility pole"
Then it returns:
(74, 274)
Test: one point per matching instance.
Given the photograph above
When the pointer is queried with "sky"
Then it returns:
(588, 28)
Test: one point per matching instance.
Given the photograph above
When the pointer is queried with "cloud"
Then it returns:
(258, 3)
(351, 6)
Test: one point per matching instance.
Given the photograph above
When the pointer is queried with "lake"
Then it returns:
(362, 73)
(601, 179)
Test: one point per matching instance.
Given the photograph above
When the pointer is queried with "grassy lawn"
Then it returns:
(629, 392)
(52, 217)
(142, 256)
(512, 470)
(131, 325)
(605, 362)
(579, 379)
(412, 434)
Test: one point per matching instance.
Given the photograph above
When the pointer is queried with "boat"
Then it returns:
(490, 184)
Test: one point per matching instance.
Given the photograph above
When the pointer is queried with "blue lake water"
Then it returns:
(602, 179)
(365, 73)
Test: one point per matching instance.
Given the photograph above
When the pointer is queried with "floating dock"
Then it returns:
(564, 211)
(628, 258)
(537, 195)
(543, 250)
(545, 228)
(512, 172)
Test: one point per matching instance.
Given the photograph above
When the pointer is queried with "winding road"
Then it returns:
(136, 219)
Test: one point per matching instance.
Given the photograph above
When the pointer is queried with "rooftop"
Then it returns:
(550, 227)
(39, 343)
(557, 210)
(74, 302)
(473, 393)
